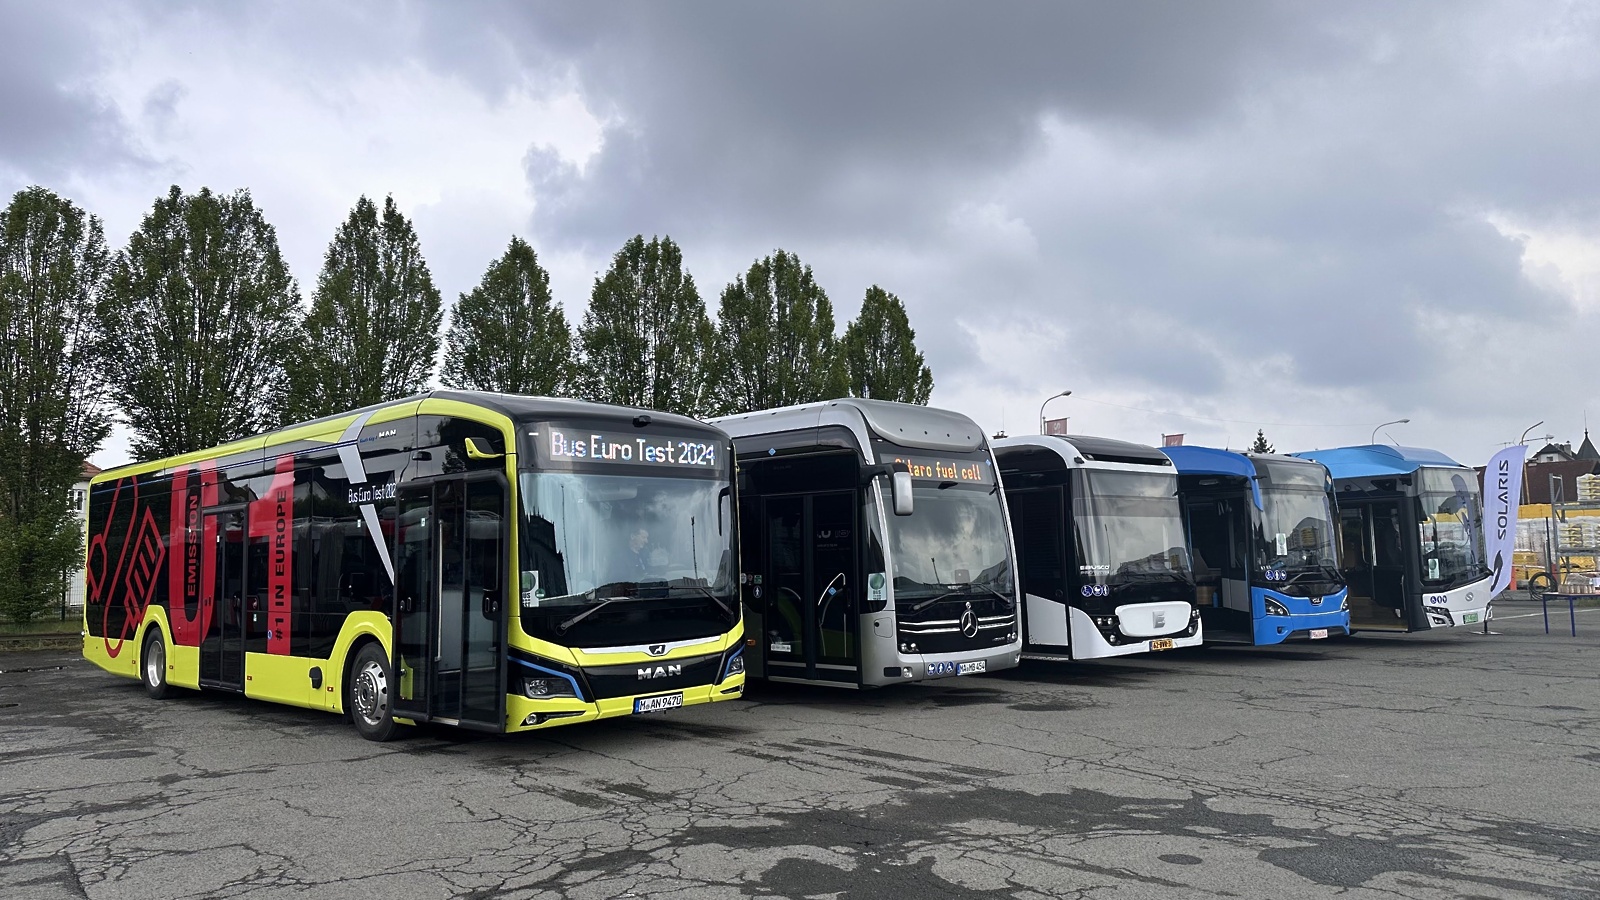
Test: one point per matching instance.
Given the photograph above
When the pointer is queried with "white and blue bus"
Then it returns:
(1100, 547)
(1261, 533)
(875, 544)
(1412, 530)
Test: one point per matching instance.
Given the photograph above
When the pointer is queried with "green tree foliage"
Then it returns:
(373, 330)
(645, 339)
(775, 340)
(507, 335)
(53, 270)
(201, 316)
(881, 358)
(1261, 445)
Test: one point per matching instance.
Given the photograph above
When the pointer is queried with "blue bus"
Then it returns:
(1411, 526)
(1262, 543)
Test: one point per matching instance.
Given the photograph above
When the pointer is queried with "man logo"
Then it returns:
(668, 671)
(656, 649)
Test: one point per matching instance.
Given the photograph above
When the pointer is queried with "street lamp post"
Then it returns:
(1047, 403)
(1374, 438)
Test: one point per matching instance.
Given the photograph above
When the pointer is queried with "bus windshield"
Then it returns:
(613, 560)
(957, 536)
(1294, 532)
(1448, 526)
(1129, 527)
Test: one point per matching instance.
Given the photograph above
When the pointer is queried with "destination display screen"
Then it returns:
(566, 445)
(950, 468)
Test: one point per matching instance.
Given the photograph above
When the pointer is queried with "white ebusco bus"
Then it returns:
(1100, 547)
(876, 545)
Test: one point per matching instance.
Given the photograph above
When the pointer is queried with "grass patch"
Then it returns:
(50, 624)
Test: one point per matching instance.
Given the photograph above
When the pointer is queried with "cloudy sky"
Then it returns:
(1207, 218)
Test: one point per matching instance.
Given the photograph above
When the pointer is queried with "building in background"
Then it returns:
(76, 587)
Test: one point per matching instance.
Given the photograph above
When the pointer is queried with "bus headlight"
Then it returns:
(545, 688)
(734, 663)
(1344, 602)
(1274, 608)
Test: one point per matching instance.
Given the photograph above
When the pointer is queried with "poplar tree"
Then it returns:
(645, 339)
(53, 412)
(373, 329)
(775, 340)
(199, 322)
(881, 358)
(506, 335)
(1261, 445)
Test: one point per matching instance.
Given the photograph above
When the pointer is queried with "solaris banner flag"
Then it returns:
(1502, 494)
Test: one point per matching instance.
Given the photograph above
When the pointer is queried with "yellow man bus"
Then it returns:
(490, 561)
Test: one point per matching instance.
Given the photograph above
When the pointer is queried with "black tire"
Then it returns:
(1540, 583)
(366, 694)
(153, 666)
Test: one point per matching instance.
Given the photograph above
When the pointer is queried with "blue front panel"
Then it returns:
(1302, 617)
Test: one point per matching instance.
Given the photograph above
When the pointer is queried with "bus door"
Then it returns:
(1374, 564)
(449, 624)
(224, 592)
(1389, 564)
(1218, 538)
(811, 586)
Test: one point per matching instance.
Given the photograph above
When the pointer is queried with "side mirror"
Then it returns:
(478, 449)
(900, 486)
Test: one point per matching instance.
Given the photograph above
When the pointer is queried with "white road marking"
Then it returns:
(1537, 614)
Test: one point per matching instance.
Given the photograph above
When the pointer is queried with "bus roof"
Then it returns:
(903, 424)
(1078, 449)
(1210, 461)
(1374, 460)
(511, 406)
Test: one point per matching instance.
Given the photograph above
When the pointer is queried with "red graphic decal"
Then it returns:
(190, 607)
(273, 518)
(137, 570)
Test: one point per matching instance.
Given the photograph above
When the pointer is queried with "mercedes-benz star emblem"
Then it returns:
(969, 623)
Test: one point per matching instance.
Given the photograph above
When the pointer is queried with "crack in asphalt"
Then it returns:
(1231, 773)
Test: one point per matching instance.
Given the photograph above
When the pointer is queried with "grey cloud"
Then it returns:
(51, 121)
(1195, 187)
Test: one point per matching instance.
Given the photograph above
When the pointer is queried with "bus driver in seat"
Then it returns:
(638, 545)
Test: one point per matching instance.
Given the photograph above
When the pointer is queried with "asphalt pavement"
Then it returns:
(1439, 765)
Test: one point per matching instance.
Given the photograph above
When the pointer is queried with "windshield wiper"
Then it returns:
(562, 627)
(707, 591)
(932, 600)
(968, 590)
(986, 587)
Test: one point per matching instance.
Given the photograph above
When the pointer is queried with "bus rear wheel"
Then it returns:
(367, 694)
(155, 666)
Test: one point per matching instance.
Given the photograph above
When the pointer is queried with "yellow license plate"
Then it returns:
(1161, 644)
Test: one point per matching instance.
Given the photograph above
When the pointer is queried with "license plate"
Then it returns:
(1469, 618)
(657, 704)
(1161, 644)
(973, 668)
(1318, 633)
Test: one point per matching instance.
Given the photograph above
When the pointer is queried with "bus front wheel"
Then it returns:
(367, 694)
(155, 666)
